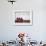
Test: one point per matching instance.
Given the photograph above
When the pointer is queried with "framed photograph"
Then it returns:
(23, 18)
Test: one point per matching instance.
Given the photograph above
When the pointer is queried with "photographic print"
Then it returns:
(23, 18)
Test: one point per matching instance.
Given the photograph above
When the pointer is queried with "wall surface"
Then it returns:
(37, 30)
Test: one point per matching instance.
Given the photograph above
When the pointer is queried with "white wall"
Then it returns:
(37, 30)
